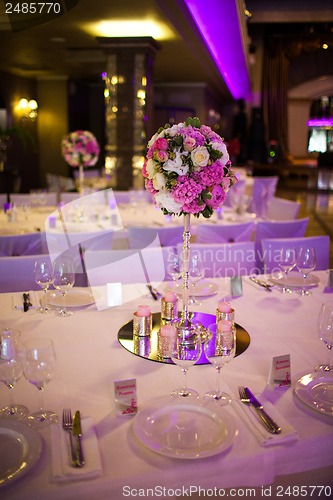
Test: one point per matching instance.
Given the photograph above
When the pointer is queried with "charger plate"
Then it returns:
(316, 391)
(186, 428)
(294, 280)
(20, 448)
(75, 297)
(146, 347)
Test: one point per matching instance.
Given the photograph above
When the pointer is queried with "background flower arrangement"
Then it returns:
(80, 148)
(187, 169)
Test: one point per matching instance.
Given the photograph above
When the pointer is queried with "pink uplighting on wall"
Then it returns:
(219, 24)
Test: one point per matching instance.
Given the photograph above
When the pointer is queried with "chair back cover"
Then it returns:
(225, 259)
(278, 229)
(23, 244)
(142, 236)
(271, 250)
(263, 190)
(281, 209)
(17, 273)
(228, 233)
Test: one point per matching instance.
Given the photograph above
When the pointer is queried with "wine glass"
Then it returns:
(196, 273)
(39, 364)
(64, 279)
(175, 269)
(325, 330)
(11, 370)
(185, 352)
(287, 262)
(219, 350)
(305, 263)
(44, 278)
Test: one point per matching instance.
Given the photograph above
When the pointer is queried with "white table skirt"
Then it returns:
(90, 359)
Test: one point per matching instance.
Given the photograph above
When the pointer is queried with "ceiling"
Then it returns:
(66, 46)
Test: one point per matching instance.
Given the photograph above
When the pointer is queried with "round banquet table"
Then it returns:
(90, 359)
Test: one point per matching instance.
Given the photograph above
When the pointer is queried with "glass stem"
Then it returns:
(218, 371)
(184, 370)
(329, 359)
(64, 303)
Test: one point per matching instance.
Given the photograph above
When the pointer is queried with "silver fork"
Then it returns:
(67, 425)
(262, 414)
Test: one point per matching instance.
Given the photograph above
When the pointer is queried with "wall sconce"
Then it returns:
(28, 109)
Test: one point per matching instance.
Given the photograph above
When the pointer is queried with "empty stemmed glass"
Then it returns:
(325, 331)
(287, 262)
(185, 352)
(39, 364)
(220, 349)
(306, 263)
(44, 278)
(64, 279)
(11, 370)
(196, 273)
(175, 268)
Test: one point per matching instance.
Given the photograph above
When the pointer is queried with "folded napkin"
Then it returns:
(17, 299)
(287, 435)
(62, 470)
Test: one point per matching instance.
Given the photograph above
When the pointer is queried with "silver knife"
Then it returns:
(271, 425)
(261, 283)
(77, 433)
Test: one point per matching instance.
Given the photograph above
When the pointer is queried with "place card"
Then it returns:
(280, 372)
(236, 286)
(125, 397)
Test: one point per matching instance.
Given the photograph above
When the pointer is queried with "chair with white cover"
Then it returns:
(282, 209)
(142, 236)
(225, 233)
(225, 259)
(271, 250)
(17, 273)
(23, 244)
(235, 194)
(149, 264)
(278, 229)
(263, 190)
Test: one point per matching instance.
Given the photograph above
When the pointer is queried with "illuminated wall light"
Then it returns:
(106, 93)
(141, 94)
(28, 109)
(144, 81)
(324, 46)
(114, 80)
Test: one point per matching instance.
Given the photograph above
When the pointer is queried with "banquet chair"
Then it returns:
(142, 236)
(225, 233)
(281, 209)
(23, 244)
(17, 273)
(263, 190)
(236, 192)
(271, 250)
(225, 259)
(278, 229)
(149, 264)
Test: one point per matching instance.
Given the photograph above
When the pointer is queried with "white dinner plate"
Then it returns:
(20, 448)
(204, 288)
(294, 280)
(76, 297)
(316, 390)
(184, 428)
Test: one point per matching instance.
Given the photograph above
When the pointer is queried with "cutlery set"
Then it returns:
(26, 302)
(248, 398)
(73, 427)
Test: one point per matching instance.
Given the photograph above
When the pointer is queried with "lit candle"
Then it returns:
(170, 297)
(143, 311)
(224, 325)
(168, 331)
(224, 306)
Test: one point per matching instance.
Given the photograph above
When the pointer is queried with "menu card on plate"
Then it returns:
(125, 397)
(280, 373)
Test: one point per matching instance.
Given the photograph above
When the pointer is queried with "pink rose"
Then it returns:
(189, 143)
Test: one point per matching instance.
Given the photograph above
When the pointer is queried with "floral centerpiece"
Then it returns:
(80, 148)
(187, 169)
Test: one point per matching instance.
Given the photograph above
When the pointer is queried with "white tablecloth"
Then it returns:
(90, 359)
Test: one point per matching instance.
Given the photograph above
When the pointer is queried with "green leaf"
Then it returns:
(194, 122)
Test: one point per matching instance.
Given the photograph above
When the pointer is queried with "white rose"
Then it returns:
(219, 146)
(176, 165)
(200, 157)
(158, 181)
(150, 167)
(172, 131)
(165, 200)
(152, 140)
